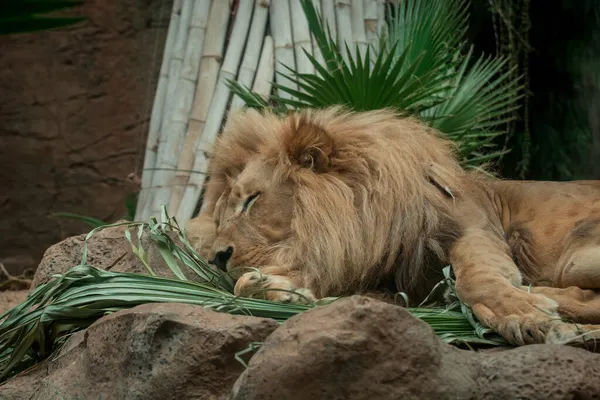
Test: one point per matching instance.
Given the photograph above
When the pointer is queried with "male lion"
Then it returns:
(330, 202)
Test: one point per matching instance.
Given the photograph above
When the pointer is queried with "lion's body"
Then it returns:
(537, 219)
(334, 203)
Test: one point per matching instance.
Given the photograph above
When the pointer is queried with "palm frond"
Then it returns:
(30, 15)
(90, 221)
(419, 68)
(393, 79)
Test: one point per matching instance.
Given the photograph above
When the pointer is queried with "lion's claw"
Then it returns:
(521, 318)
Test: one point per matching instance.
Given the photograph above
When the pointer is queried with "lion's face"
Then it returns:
(252, 217)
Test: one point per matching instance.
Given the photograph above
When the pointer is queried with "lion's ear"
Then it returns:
(311, 147)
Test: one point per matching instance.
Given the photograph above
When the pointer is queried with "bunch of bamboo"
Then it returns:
(210, 42)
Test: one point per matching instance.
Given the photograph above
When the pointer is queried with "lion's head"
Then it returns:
(346, 199)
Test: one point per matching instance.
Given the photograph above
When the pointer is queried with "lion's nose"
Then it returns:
(221, 258)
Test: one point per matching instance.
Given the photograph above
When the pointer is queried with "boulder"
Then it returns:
(108, 249)
(360, 348)
(11, 298)
(153, 351)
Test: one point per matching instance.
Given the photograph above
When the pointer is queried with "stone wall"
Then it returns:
(74, 109)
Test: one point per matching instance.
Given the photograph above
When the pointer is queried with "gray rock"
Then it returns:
(108, 249)
(154, 351)
(360, 348)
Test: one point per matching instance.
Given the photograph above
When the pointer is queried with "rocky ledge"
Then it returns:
(354, 348)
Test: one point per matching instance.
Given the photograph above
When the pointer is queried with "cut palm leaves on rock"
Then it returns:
(72, 301)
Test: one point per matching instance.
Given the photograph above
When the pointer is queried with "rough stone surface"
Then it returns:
(159, 351)
(74, 109)
(11, 298)
(107, 249)
(359, 348)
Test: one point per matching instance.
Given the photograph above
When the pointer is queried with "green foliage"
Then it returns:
(74, 300)
(21, 16)
(90, 221)
(130, 205)
(420, 68)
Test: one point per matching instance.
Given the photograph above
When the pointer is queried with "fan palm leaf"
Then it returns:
(420, 68)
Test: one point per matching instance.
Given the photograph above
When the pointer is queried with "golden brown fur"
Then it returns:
(327, 203)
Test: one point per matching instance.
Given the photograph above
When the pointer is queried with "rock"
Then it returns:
(11, 298)
(108, 249)
(154, 351)
(360, 348)
(74, 120)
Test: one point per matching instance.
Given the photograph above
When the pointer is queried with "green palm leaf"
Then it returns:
(20, 16)
(418, 69)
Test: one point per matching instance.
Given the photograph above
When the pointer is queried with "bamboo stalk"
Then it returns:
(328, 8)
(343, 13)
(171, 135)
(359, 37)
(371, 21)
(218, 105)
(186, 87)
(316, 51)
(210, 63)
(382, 26)
(284, 48)
(263, 82)
(262, 85)
(177, 57)
(156, 116)
(207, 78)
(252, 52)
(301, 38)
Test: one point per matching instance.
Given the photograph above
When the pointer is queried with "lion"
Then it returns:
(332, 202)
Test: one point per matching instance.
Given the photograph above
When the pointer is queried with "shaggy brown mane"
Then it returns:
(342, 163)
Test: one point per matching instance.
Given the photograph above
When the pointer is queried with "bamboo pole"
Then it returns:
(179, 46)
(284, 48)
(262, 85)
(371, 21)
(253, 49)
(186, 87)
(213, 118)
(156, 116)
(207, 78)
(301, 38)
(210, 63)
(328, 8)
(315, 47)
(382, 26)
(343, 13)
(359, 38)
(171, 137)
(263, 82)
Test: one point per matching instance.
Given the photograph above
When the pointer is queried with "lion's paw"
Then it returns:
(299, 296)
(520, 317)
(574, 334)
(272, 287)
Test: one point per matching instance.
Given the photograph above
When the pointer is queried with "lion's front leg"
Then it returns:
(489, 281)
(275, 284)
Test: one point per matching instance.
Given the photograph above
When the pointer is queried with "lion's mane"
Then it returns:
(378, 208)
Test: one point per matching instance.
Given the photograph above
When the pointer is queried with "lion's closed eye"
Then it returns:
(250, 201)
